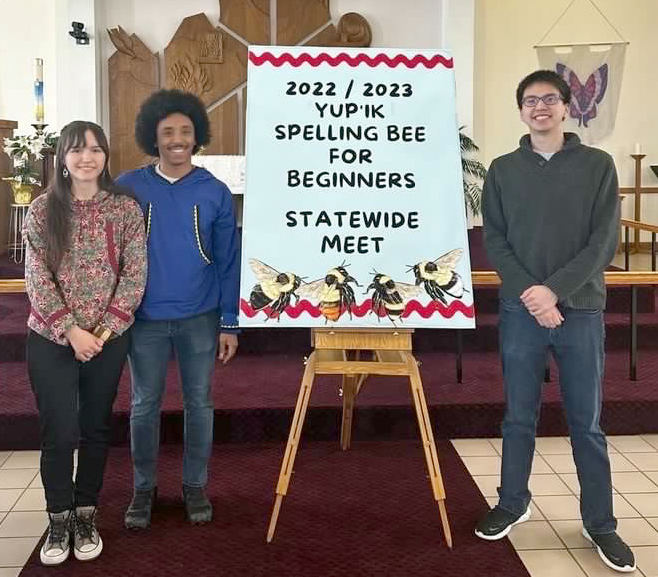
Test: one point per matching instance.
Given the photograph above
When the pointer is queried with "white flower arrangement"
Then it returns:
(26, 148)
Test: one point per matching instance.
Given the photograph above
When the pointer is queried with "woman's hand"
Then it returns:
(85, 345)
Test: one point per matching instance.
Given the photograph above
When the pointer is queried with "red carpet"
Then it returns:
(366, 512)
(10, 269)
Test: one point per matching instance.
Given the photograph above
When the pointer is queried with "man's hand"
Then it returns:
(85, 345)
(228, 344)
(538, 299)
(551, 319)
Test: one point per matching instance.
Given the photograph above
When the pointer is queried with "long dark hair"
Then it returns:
(58, 203)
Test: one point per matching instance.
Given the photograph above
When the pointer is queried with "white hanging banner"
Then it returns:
(354, 209)
(594, 74)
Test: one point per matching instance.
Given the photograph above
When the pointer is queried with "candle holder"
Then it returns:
(638, 198)
(38, 89)
(39, 127)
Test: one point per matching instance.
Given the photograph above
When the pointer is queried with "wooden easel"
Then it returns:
(391, 355)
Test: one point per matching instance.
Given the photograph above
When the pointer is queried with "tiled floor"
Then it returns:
(22, 509)
(551, 543)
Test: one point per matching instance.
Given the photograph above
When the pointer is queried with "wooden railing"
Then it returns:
(627, 225)
(479, 278)
(12, 285)
(612, 278)
(639, 225)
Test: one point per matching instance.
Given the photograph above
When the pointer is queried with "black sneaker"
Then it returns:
(87, 542)
(613, 551)
(138, 515)
(56, 547)
(498, 522)
(197, 505)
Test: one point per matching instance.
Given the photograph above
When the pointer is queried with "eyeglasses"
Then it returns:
(547, 99)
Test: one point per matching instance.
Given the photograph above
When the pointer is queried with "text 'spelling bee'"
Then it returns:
(333, 292)
(274, 288)
(390, 297)
(439, 277)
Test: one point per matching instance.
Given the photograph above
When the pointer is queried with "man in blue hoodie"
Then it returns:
(191, 295)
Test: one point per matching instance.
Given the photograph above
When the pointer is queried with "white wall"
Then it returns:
(507, 30)
(412, 24)
(32, 29)
(78, 85)
(26, 33)
(459, 37)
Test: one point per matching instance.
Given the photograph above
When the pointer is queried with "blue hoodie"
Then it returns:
(193, 246)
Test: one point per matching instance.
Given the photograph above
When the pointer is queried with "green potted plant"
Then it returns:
(24, 150)
(473, 172)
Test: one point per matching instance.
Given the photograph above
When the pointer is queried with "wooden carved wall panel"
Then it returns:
(352, 30)
(189, 68)
(250, 19)
(296, 19)
(224, 122)
(326, 37)
(133, 75)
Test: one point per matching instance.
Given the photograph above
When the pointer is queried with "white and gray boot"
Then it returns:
(87, 542)
(56, 547)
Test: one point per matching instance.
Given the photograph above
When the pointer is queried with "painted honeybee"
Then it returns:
(274, 288)
(439, 277)
(333, 292)
(390, 297)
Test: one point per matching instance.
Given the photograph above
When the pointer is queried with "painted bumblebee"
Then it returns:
(390, 297)
(333, 291)
(274, 288)
(439, 278)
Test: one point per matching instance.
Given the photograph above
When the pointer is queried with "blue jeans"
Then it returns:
(194, 341)
(578, 348)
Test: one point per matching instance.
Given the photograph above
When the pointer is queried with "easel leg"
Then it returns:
(429, 447)
(293, 441)
(351, 385)
(349, 397)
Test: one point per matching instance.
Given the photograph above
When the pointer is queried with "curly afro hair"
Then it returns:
(163, 103)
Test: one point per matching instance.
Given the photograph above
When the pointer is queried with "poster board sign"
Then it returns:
(354, 210)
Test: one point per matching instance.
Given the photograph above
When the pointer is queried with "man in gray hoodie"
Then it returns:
(551, 221)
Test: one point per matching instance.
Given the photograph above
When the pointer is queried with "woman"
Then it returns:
(85, 274)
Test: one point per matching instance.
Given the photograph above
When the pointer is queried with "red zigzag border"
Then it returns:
(413, 306)
(353, 61)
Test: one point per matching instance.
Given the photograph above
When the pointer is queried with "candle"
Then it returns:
(638, 148)
(38, 89)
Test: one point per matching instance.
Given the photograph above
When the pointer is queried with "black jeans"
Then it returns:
(75, 409)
